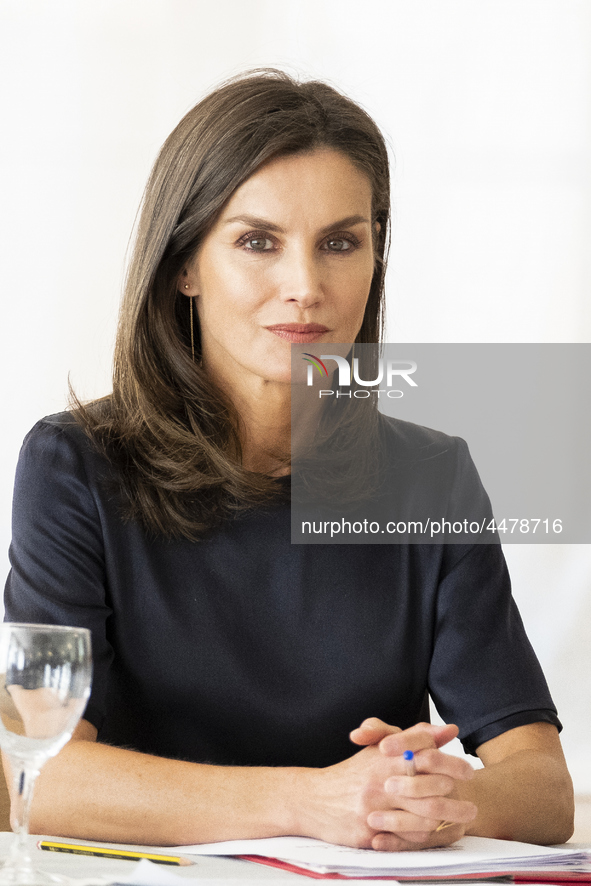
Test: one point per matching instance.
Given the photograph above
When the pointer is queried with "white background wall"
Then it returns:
(487, 106)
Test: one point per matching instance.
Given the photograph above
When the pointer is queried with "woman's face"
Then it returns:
(290, 259)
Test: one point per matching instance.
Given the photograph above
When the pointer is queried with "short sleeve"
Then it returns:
(484, 675)
(57, 551)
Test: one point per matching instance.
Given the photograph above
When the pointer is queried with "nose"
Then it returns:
(301, 280)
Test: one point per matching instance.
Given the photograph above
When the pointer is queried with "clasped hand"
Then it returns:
(369, 801)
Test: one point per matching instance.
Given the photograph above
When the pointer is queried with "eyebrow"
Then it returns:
(257, 222)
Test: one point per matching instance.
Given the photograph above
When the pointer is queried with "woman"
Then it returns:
(230, 666)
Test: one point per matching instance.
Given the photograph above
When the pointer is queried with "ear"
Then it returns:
(187, 283)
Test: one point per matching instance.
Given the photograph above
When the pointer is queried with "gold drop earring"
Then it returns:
(191, 325)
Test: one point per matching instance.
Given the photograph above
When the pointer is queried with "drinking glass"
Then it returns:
(45, 676)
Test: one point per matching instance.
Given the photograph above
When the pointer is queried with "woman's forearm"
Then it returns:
(98, 792)
(94, 791)
(527, 796)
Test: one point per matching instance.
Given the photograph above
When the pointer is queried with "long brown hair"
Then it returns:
(172, 436)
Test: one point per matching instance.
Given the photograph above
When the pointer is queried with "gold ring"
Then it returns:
(443, 825)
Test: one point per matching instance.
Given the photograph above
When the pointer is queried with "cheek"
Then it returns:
(356, 303)
(217, 303)
(355, 272)
(240, 288)
(354, 287)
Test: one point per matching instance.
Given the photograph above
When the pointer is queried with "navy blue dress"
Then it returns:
(245, 649)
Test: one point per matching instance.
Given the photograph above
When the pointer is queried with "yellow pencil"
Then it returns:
(106, 852)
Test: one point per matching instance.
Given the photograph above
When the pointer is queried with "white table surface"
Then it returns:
(222, 870)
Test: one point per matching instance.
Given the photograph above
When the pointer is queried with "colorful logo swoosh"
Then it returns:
(317, 362)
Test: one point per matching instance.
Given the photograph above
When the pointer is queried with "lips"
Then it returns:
(299, 333)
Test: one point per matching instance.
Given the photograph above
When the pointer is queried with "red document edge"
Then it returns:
(521, 877)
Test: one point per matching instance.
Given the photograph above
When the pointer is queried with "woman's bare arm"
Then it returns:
(525, 791)
(94, 791)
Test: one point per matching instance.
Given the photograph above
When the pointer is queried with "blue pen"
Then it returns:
(409, 763)
(411, 769)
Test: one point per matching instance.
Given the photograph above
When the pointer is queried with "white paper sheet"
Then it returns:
(469, 855)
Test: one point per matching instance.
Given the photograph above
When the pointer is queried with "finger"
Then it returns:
(398, 821)
(423, 818)
(439, 809)
(434, 762)
(423, 735)
(431, 762)
(385, 842)
(372, 731)
(411, 841)
(425, 786)
(445, 733)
